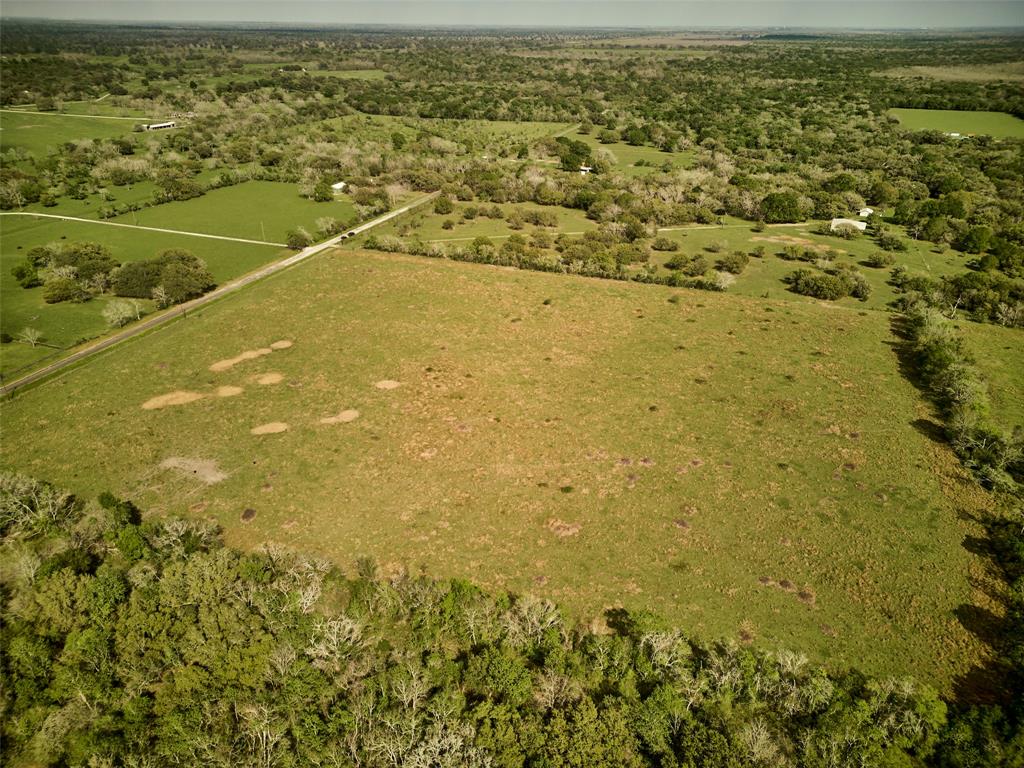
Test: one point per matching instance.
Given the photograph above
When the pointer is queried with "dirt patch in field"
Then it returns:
(562, 529)
(178, 397)
(205, 470)
(282, 344)
(269, 429)
(270, 378)
(248, 514)
(342, 418)
(250, 354)
(803, 242)
(388, 384)
(229, 391)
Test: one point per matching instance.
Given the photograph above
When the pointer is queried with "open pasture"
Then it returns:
(42, 132)
(1012, 71)
(749, 469)
(999, 353)
(67, 323)
(997, 124)
(626, 156)
(254, 210)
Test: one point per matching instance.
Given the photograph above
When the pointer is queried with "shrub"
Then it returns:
(136, 279)
(888, 241)
(26, 275)
(733, 263)
(716, 246)
(61, 289)
(664, 244)
(298, 239)
(817, 284)
(880, 260)
(443, 205)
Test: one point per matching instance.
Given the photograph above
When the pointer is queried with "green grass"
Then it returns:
(349, 74)
(706, 444)
(42, 133)
(764, 276)
(970, 73)
(626, 156)
(255, 210)
(998, 124)
(65, 324)
(999, 353)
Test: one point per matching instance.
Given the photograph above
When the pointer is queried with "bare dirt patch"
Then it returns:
(248, 514)
(269, 429)
(388, 384)
(205, 470)
(229, 391)
(178, 397)
(562, 529)
(250, 354)
(282, 344)
(342, 418)
(270, 378)
(803, 242)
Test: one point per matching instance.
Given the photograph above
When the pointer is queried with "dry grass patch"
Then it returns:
(271, 428)
(388, 384)
(204, 470)
(178, 397)
(229, 391)
(342, 418)
(270, 378)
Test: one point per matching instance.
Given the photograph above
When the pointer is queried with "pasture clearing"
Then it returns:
(67, 323)
(725, 462)
(1011, 71)
(999, 354)
(997, 124)
(256, 210)
(42, 132)
(427, 225)
(626, 156)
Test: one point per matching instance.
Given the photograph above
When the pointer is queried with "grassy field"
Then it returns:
(255, 210)
(626, 156)
(66, 323)
(41, 133)
(999, 353)
(998, 124)
(974, 73)
(747, 468)
(765, 275)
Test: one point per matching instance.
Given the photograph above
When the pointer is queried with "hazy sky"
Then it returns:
(871, 14)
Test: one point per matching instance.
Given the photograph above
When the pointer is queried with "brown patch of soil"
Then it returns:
(269, 429)
(248, 514)
(562, 529)
(250, 354)
(388, 384)
(342, 418)
(270, 378)
(178, 397)
(282, 344)
(807, 596)
(229, 391)
(205, 470)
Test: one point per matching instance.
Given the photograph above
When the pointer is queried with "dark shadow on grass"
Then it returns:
(930, 429)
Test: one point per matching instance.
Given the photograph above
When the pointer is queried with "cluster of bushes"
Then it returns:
(68, 272)
(836, 283)
(984, 296)
(131, 642)
(174, 276)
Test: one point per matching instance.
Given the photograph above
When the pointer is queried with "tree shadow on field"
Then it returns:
(991, 679)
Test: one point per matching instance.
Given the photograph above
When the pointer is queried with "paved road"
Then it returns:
(74, 114)
(181, 309)
(139, 226)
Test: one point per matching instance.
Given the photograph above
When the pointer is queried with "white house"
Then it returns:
(858, 225)
(865, 212)
(585, 169)
(339, 186)
(161, 126)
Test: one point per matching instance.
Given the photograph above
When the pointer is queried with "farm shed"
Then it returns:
(161, 126)
(865, 212)
(339, 186)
